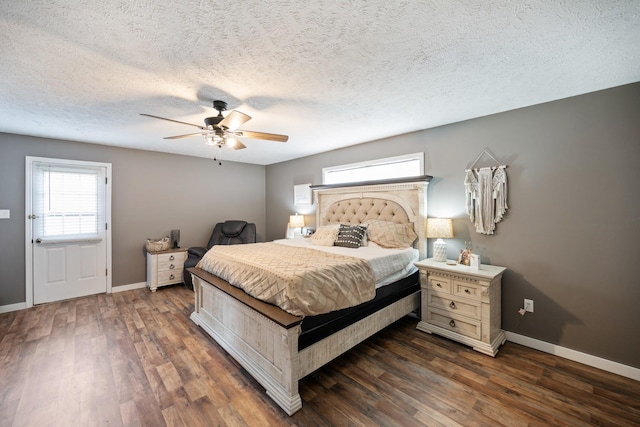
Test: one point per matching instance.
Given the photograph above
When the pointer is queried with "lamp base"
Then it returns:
(440, 250)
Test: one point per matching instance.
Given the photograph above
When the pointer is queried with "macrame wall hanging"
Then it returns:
(486, 194)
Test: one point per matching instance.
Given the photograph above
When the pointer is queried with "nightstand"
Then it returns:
(165, 268)
(462, 303)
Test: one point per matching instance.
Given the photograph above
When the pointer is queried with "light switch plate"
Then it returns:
(5, 213)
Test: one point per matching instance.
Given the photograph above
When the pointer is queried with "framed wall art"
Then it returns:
(302, 195)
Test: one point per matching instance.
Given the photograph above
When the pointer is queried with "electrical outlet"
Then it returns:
(528, 305)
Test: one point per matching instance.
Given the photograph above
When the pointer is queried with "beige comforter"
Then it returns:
(301, 281)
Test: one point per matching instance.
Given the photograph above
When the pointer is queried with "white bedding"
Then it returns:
(388, 265)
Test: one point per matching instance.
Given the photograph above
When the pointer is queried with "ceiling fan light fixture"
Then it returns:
(213, 139)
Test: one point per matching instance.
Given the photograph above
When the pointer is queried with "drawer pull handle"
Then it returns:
(467, 291)
(438, 285)
(453, 304)
(171, 258)
(452, 323)
(173, 277)
(171, 267)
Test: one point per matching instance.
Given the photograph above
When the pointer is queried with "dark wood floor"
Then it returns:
(135, 359)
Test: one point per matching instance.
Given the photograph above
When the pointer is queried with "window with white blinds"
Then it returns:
(388, 168)
(69, 201)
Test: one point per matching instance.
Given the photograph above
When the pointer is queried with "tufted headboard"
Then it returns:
(357, 211)
(400, 202)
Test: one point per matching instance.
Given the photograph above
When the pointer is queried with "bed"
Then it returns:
(279, 348)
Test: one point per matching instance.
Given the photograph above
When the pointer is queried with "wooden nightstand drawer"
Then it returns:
(169, 276)
(174, 257)
(458, 324)
(465, 289)
(440, 284)
(171, 265)
(456, 306)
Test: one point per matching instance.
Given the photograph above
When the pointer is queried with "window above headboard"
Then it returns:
(404, 166)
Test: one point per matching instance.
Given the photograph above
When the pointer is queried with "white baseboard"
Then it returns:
(130, 287)
(576, 356)
(13, 307)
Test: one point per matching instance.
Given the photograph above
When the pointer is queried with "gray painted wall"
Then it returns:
(569, 238)
(571, 233)
(152, 193)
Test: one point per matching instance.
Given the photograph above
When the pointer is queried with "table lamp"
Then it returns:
(439, 228)
(296, 221)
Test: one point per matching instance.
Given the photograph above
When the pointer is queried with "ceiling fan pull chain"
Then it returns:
(215, 158)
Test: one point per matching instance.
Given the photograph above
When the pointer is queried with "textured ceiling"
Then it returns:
(327, 73)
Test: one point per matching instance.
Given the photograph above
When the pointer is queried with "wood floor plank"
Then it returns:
(335, 411)
(388, 412)
(595, 405)
(545, 407)
(208, 411)
(230, 416)
(172, 417)
(129, 414)
(135, 359)
(431, 417)
(150, 411)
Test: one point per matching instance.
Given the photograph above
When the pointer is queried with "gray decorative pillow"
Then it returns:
(350, 236)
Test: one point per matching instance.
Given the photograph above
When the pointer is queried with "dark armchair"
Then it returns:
(224, 233)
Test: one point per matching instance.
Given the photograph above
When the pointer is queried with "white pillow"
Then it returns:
(325, 235)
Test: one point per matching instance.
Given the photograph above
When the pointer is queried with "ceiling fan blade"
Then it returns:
(233, 120)
(184, 136)
(235, 144)
(171, 120)
(262, 135)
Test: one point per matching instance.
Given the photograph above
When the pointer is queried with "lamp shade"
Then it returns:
(296, 221)
(439, 228)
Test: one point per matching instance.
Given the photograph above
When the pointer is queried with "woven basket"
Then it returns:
(158, 245)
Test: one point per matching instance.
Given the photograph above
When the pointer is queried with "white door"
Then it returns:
(69, 238)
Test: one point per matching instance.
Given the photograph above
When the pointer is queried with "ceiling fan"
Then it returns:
(223, 131)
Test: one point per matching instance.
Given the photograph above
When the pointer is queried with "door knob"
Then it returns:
(38, 240)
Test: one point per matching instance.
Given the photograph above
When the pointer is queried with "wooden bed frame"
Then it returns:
(264, 339)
